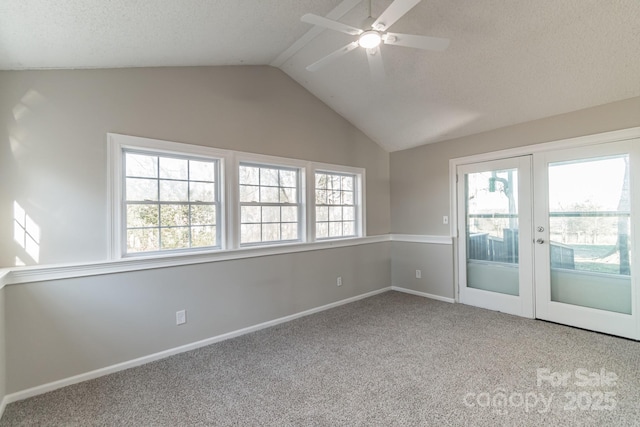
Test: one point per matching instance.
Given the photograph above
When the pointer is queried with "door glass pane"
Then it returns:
(492, 231)
(589, 223)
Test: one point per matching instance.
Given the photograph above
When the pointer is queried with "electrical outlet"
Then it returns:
(181, 317)
(445, 220)
(418, 274)
(339, 281)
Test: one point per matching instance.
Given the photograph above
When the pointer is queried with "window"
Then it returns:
(171, 202)
(169, 198)
(335, 205)
(269, 203)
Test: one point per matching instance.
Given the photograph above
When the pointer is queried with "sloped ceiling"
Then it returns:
(508, 61)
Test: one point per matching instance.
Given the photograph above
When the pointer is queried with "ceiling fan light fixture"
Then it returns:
(370, 39)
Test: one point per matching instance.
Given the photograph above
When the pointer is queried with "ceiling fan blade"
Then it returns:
(419, 42)
(395, 11)
(376, 66)
(332, 56)
(321, 21)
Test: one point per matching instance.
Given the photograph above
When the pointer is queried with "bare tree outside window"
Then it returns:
(335, 205)
(171, 203)
(269, 204)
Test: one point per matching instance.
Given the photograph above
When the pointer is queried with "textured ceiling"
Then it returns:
(508, 62)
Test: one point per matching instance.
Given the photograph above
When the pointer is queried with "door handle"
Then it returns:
(539, 241)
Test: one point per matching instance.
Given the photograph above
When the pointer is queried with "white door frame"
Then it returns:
(583, 141)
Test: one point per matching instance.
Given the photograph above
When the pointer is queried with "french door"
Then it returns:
(494, 208)
(585, 273)
(551, 235)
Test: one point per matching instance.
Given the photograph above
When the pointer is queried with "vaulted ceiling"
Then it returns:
(508, 61)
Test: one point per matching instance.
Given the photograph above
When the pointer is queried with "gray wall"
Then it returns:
(435, 261)
(61, 328)
(53, 125)
(53, 162)
(420, 179)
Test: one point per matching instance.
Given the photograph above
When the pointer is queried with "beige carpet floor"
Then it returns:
(389, 360)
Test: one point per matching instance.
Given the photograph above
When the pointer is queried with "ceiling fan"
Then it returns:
(374, 34)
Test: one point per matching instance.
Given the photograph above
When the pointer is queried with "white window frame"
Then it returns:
(358, 198)
(228, 226)
(262, 160)
(300, 203)
(118, 145)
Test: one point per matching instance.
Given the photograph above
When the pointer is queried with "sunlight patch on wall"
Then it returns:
(17, 148)
(23, 113)
(26, 233)
(20, 111)
(32, 99)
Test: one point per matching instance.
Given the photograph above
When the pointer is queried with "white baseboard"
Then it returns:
(45, 388)
(423, 294)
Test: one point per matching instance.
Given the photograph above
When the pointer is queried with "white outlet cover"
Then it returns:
(181, 317)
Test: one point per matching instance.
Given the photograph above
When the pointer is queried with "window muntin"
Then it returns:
(335, 204)
(171, 202)
(270, 203)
